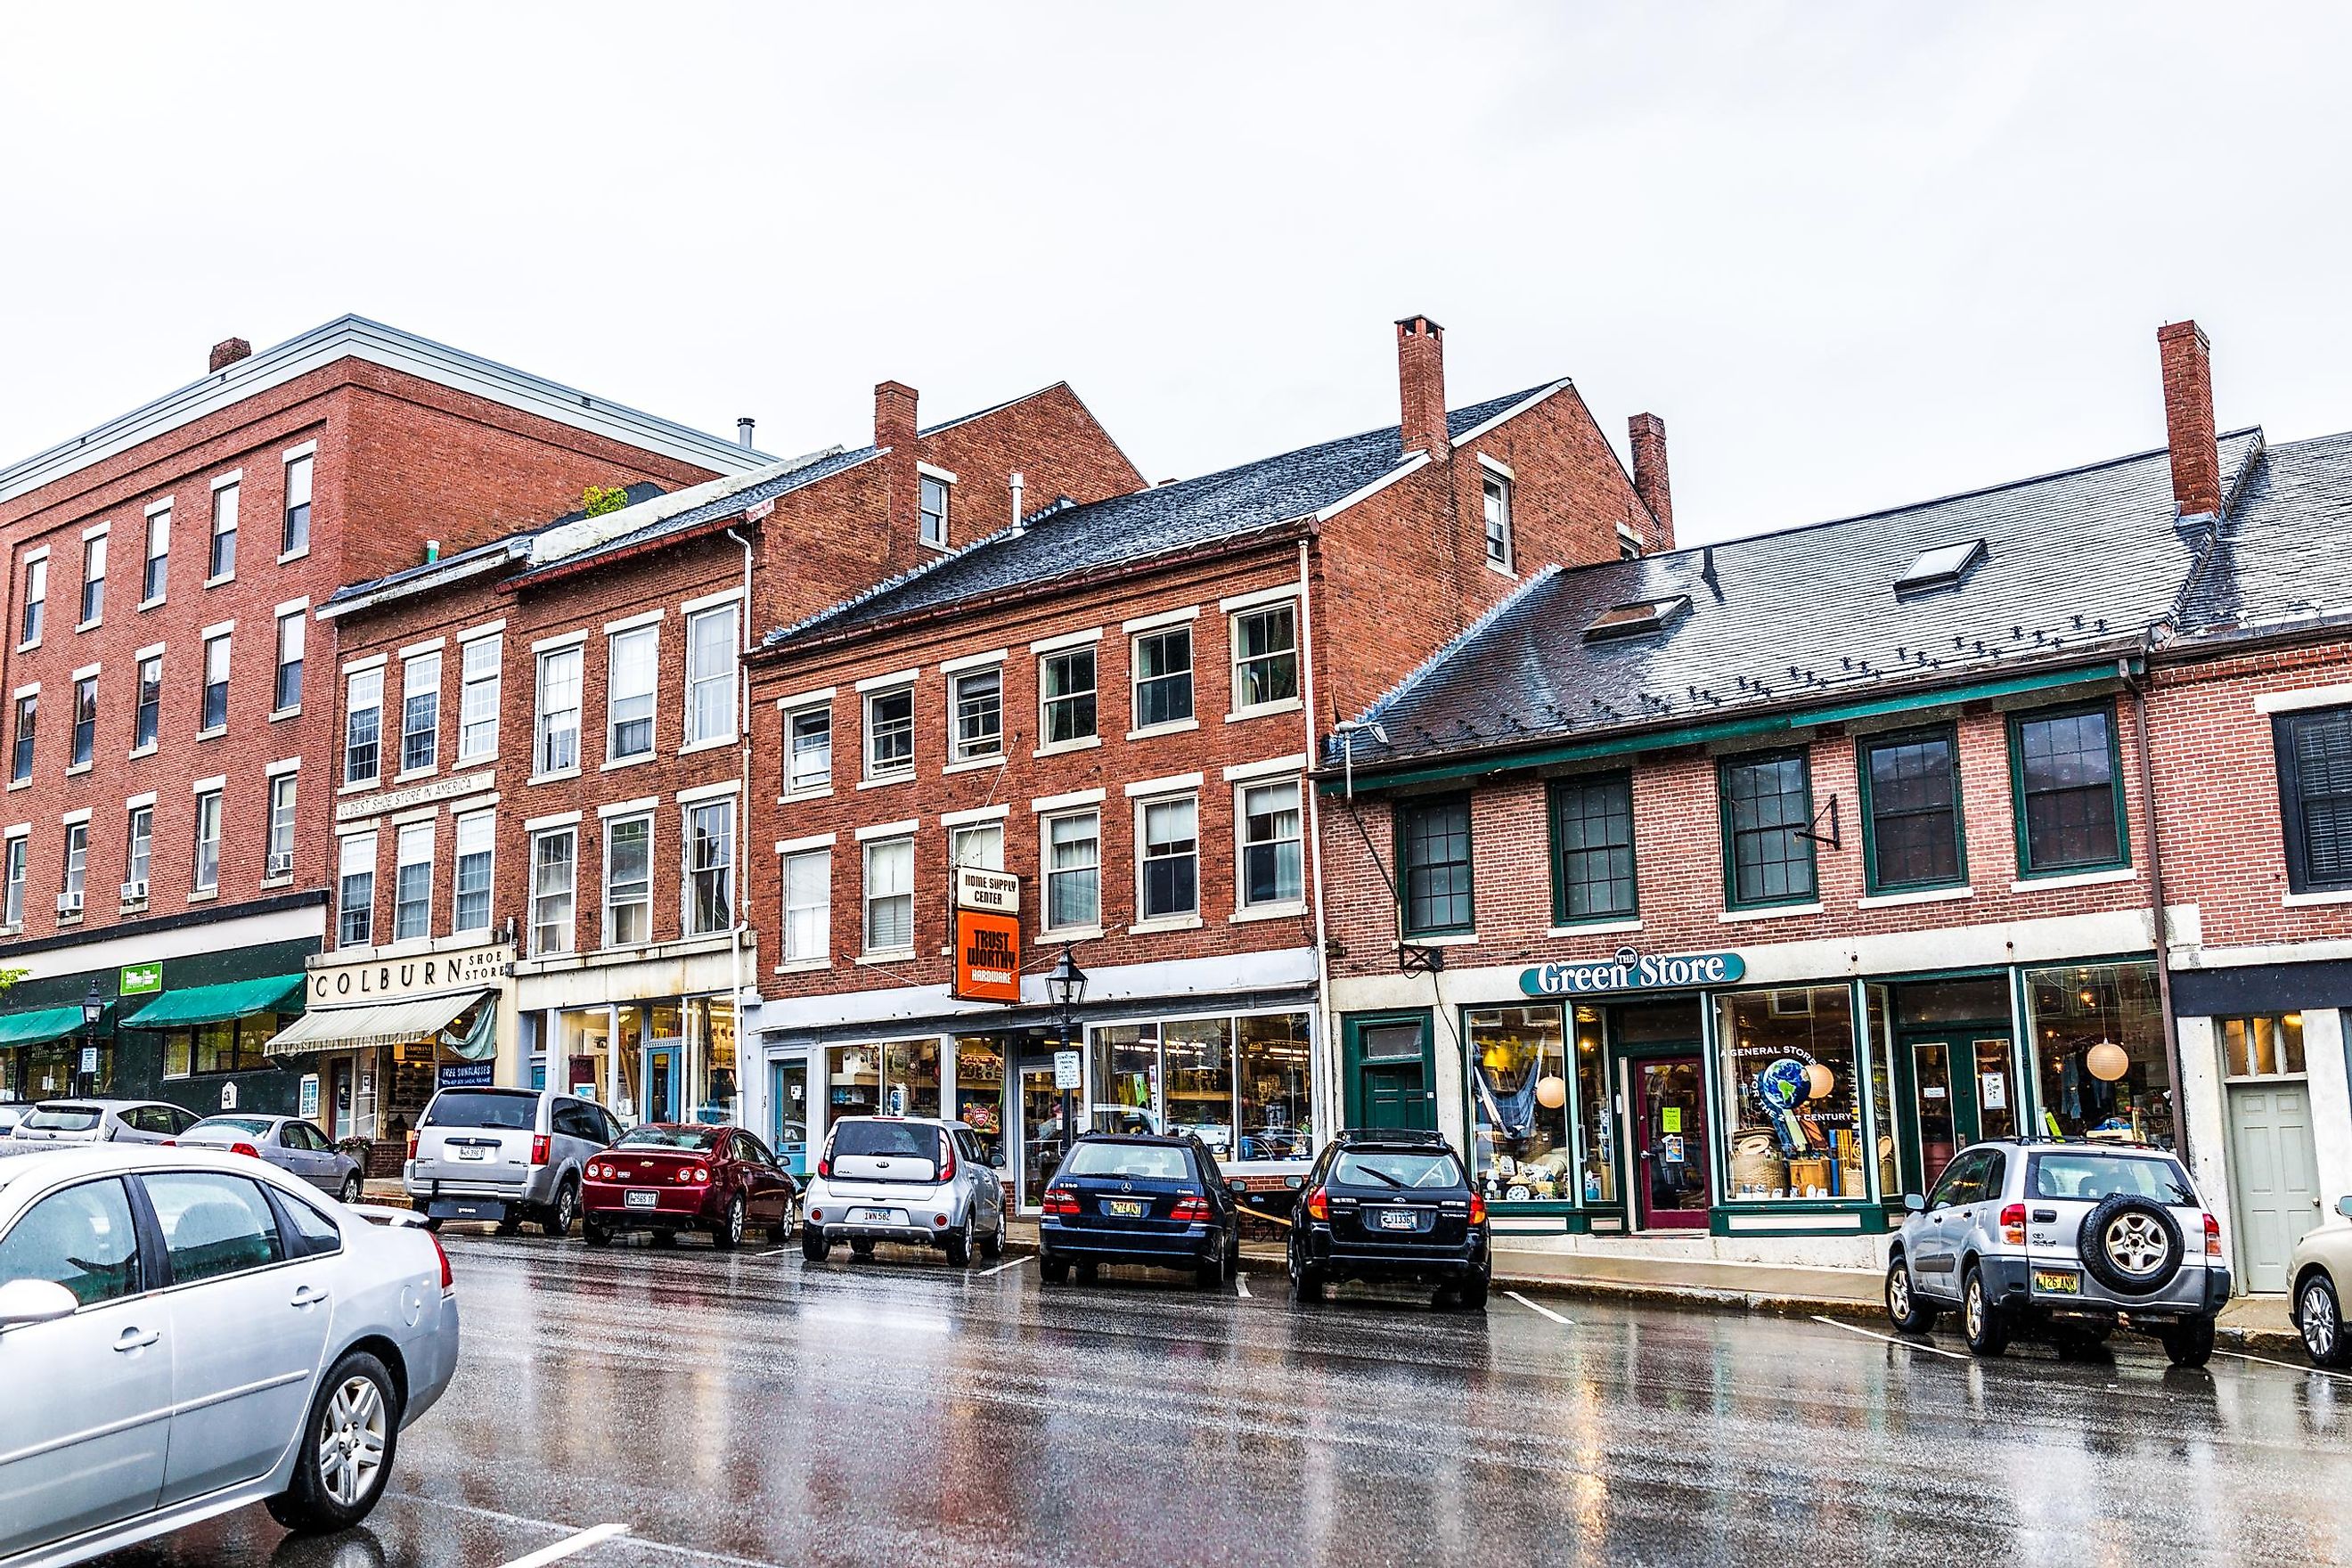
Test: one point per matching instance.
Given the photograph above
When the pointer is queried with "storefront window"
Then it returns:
(711, 1020)
(1596, 1125)
(1199, 1079)
(1518, 1103)
(584, 1047)
(853, 1081)
(235, 1046)
(1126, 1077)
(911, 1077)
(980, 1086)
(2098, 1052)
(1277, 1070)
(1882, 1089)
(1788, 1059)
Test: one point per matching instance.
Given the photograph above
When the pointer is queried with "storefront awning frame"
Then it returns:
(373, 1023)
(38, 1027)
(189, 1006)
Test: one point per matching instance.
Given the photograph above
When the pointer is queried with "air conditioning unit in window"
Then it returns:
(135, 892)
(282, 864)
(68, 903)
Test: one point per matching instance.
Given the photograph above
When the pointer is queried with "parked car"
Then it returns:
(1381, 1204)
(1138, 1198)
(505, 1155)
(666, 1177)
(287, 1143)
(11, 1114)
(907, 1179)
(103, 1121)
(184, 1331)
(2319, 1273)
(2061, 1239)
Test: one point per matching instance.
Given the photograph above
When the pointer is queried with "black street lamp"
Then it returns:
(92, 1004)
(1066, 987)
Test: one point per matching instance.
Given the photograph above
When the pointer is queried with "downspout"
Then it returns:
(2138, 684)
(1326, 1021)
(742, 868)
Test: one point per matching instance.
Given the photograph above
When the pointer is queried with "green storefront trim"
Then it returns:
(189, 1005)
(1870, 1218)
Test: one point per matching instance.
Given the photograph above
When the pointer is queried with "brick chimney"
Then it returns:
(894, 427)
(2188, 419)
(228, 351)
(1649, 433)
(1421, 380)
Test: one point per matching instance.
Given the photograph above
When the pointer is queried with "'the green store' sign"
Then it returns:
(140, 980)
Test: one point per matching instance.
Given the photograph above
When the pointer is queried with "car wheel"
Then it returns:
(345, 1450)
(782, 1234)
(596, 1232)
(510, 1221)
(1088, 1272)
(354, 1188)
(728, 1234)
(1909, 1314)
(1471, 1294)
(2189, 1342)
(862, 1245)
(564, 1209)
(2321, 1319)
(991, 1246)
(432, 1223)
(661, 1238)
(1305, 1279)
(1232, 1257)
(1986, 1326)
(814, 1245)
(1053, 1270)
(1208, 1273)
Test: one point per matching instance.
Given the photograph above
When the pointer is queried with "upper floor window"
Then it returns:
(223, 563)
(1163, 676)
(710, 676)
(556, 749)
(1272, 863)
(287, 693)
(93, 580)
(2068, 781)
(148, 720)
(28, 713)
(1432, 855)
(1497, 504)
(37, 600)
(1265, 657)
(1065, 690)
(355, 890)
(935, 511)
(215, 713)
(808, 905)
(1592, 848)
(477, 698)
(980, 845)
(85, 719)
(710, 867)
(808, 749)
(890, 895)
(154, 575)
(140, 830)
(1073, 870)
(420, 713)
(1767, 809)
(294, 532)
(628, 880)
(1911, 812)
(977, 698)
(476, 849)
(208, 840)
(411, 882)
(77, 867)
(12, 888)
(554, 856)
(2315, 768)
(363, 726)
(890, 734)
(630, 679)
(281, 826)
(1168, 857)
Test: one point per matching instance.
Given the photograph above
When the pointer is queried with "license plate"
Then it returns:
(640, 1200)
(874, 1216)
(470, 1151)
(1124, 1208)
(2058, 1281)
(1399, 1219)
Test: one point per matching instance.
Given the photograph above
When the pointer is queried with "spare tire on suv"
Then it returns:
(2131, 1244)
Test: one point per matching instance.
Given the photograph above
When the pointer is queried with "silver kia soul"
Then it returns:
(2062, 1238)
(906, 1179)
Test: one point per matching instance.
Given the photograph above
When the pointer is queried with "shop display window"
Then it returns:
(1882, 1088)
(1518, 1103)
(980, 1086)
(1197, 1079)
(1126, 1078)
(239, 1045)
(911, 1077)
(2098, 1053)
(1790, 1110)
(853, 1081)
(1277, 1064)
(584, 1045)
(711, 1020)
(1596, 1122)
(1242, 1084)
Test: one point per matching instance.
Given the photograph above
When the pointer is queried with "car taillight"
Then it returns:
(538, 1149)
(412, 1145)
(825, 1167)
(247, 1150)
(947, 1165)
(696, 1173)
(1477, 1208)
(2212, 1237)
(2013, 1224)
(1057, 1201)
(1189, 1208)
(1318, 1205)
(448, 1280)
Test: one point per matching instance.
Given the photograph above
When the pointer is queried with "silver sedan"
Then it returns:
(288, 1142)
(184, 1333)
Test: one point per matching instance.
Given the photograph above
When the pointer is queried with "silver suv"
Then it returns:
(898, 1178)
(2062, 1238)
(505, 1155)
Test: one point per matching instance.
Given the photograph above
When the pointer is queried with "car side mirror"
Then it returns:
(2344, 1206)
(996, 1159)
(24, 1302)
(1914, 1202)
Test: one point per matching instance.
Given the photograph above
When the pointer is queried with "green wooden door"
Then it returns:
(1390, 1073)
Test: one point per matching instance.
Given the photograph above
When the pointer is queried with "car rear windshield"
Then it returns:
(1396, 1168)
(247, 1124)
(1150, 1161)
(510, 1109)
(889, 1140)
(64, 1119)
(2094, 1176)
(696, 1137)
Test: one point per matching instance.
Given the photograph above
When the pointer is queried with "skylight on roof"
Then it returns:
(1941, 567)
(1633, 620)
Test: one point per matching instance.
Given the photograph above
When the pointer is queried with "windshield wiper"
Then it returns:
(1383, 1175)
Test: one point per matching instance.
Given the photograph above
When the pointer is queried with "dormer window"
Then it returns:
(1635, 619)
(935, 511)
(1945, 566)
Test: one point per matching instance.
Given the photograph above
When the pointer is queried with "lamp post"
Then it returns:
(92, 1004)
(1066, 986)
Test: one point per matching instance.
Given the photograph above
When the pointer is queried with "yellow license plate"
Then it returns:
(1125, 1209)
(2058, 1281)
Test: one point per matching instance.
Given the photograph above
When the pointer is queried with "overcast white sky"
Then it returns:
(1853, 255)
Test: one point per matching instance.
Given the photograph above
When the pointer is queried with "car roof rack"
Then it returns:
(1413, 1135)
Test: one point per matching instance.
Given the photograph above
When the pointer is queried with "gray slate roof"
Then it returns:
(729, 503)
(2077, 561)
(1063, 540)
(2284, 556)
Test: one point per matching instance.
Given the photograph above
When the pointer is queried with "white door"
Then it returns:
(2274, 1178)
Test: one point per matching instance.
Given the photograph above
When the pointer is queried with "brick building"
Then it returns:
(1721, 895)
(172, 713)
(1114, 704)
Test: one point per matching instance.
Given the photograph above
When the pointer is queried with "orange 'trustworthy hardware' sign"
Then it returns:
(987, 956)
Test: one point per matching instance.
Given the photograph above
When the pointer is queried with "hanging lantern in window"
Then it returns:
(2107, 1061)
(1819, 1081)
(1551, 1092)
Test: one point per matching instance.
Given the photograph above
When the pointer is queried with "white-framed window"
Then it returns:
(1168, 857)
(1073, 846)
(288, 693)
(710, 867)
(808, 749)
(1065, 696)
(221, 563)
(1273, 868)
(476, 834)
(890, 732)
(76, 870)
(28, 714)
(477, 698)
(363, 726)
(890, 895)
(554, 858)
(411, 882)
(148, 720)
(1497, 503)
(1265, 657)
(37, 600)
(215, 713)
(85, 720)
(710, 675)
(630, 679)
(556, 743)
(93, 580)
(208, 840)
(808, 906)
(355, 890)
(628, 880)
(281, 826)
(420, 713)
(935, 492)
(980, 845)
(140, 834)
(976, 698)
(12, 901)
(294, 531)
(1162, 662)
(155, 575)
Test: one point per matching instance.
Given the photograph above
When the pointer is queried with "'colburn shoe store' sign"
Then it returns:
(1632, 970)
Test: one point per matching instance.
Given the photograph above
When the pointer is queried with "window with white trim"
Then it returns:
(155, 575)
(628, 880)
(1163, 664)
(12, 901)
(1265, 657)
(215, 713)
(808, 905)
(77, 867)
(288, 693)
(363, 726)
(476, 835)
(355, 891)
(420, 713)
(85, 719)
(28, 714)
(890, 734)
(710, 675)
(148, 720)
(1168, 857)
(554, 857)
(808, 749)
(979, 845)
(37, 600)
(411, 882)
(1273, 869)
(1066, 694)
(477, 698)
(223, 560)
(977, 698)
(208, 840)
(631, 676)
(1496, 503)
(294, 531)
(93, 580)
(281, 826)
(556, 744)
(1073, 844)
(890, 895)
(934, 502)
(710, 867)
(138, 833)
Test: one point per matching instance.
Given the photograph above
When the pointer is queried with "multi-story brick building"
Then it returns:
(172, 713)
(1110, 707)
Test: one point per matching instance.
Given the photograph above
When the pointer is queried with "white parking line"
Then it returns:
(2288, 1365)
(778, 1253)
(1533, 1307)
(1241, 1284)
(1008, 1262)
(1890, 1339)
(565, 1548)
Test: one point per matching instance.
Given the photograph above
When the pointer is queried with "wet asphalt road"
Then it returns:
(746, 1409)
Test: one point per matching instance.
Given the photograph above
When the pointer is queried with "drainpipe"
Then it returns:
(1322, 1082)
(2138, 688)
(742, 866)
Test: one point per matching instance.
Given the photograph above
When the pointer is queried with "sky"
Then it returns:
(1854, 256)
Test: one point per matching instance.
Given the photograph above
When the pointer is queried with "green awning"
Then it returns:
(37, 1028)
(193, 1005)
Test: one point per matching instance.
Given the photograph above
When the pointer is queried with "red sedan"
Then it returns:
(664, 1178)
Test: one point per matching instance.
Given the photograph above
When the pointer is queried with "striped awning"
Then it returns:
(377, 1023)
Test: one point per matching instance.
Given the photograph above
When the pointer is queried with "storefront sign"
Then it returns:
(987, 956)
(139, 980)
(468, 1075)
(1632, 970)
(421, 794)
(426, 974)
(996, 892)
(308, 1100)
